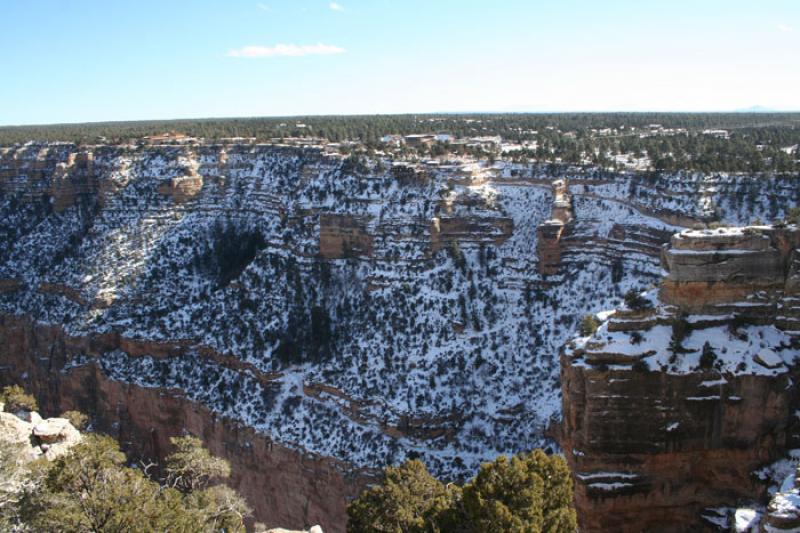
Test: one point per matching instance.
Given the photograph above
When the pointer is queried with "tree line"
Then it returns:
(756, 143)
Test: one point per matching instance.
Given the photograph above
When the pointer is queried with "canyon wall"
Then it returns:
(677, 400)
(284, 486)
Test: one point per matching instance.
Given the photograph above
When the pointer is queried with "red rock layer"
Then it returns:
(649, 454)
(285, 487)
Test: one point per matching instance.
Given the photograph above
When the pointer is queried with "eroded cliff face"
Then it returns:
(652, 452)
(677, 400)
(549, 234)
(283, 486)
(343, 237)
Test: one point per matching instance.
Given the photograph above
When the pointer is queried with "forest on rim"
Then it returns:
(751, 142)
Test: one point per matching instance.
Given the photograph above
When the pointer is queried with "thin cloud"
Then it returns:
(263, 7)
(785, 28)
(336, 7)
(286, 50)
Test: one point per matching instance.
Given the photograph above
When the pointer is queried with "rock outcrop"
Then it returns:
(39, 438)
(550, 232)
(748, 271)
(548, 246)
(183, 188)
(26, 437)
(675, 401)
(343, 236)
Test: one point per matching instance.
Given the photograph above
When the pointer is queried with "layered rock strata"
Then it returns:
(355, 309)
(749, 271)
(677, 399)
(283, 486)
(550, 232)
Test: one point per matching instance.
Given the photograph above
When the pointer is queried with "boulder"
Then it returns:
(56, 436)
(51, 430)
(768, 358)
(50, 438)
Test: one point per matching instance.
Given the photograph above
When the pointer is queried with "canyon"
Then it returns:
(314, 318)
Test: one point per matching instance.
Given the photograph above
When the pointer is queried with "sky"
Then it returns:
(87, 60)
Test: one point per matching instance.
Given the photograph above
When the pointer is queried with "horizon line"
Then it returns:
(756, 110)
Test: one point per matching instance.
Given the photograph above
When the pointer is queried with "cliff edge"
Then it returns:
(682, 394)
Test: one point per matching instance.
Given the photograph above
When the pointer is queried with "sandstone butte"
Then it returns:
(663, 442)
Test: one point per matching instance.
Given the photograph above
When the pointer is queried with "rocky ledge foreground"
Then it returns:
(679, 408)
(26, 437)
(37, 437)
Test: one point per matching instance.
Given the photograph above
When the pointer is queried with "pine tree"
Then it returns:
(708, 357)
(588, 325)
(191, 466)
(529, 492)
(680, 329)
(526, 493)
(91, 489)
(409, 500)
(505, 496)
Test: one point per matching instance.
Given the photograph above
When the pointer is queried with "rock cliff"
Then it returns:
(282, 485)
(683, 394)
(549, 234)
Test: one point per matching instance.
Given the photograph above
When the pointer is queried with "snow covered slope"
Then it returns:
(364, 310)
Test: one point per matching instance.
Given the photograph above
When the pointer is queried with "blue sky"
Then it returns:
(82, 60)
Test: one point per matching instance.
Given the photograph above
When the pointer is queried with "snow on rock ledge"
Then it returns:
(691, 391)
(783, 511)
(718, 271)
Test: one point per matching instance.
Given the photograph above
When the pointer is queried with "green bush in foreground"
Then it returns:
(409, 499)
(91, 489)
(528, 493)
(15, 399)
